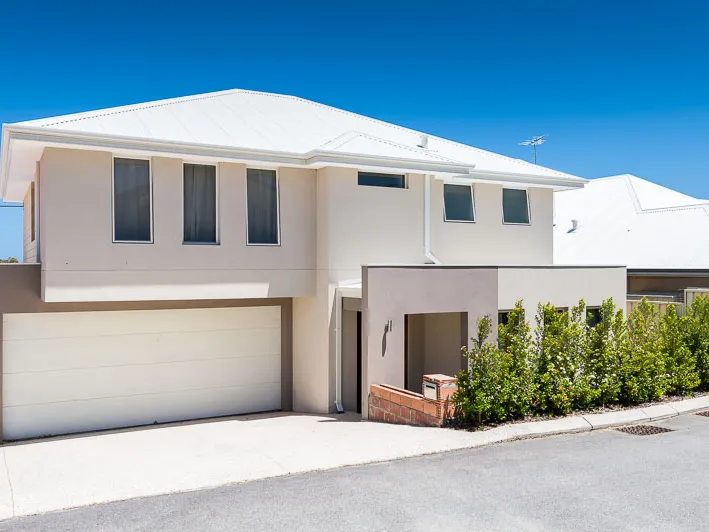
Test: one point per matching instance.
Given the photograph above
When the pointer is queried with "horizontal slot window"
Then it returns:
(373, 179)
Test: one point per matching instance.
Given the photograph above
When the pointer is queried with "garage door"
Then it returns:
(79, 371)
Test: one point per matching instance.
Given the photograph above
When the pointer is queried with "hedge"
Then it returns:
(567, 364)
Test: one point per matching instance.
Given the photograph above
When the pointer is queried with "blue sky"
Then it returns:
(619, 87)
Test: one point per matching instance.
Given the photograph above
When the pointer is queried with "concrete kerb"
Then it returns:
(589, 422)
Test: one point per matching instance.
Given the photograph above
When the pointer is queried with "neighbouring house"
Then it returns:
(661, 235)
(240, 252)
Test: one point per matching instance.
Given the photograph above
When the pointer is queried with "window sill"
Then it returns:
(200, 243)
(264, 245)
(460, 221)
(132, 242)
(515, 223)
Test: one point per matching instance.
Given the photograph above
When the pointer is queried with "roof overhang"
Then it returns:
(22, 146)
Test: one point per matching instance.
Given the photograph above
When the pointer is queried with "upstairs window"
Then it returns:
(373, 179)
(199, 204)
(515, 206)
(458, 203)
(262, 207)
(132, 202)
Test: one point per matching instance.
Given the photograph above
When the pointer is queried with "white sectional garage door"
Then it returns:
(78, 371)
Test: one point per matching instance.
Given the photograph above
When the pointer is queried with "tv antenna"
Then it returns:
(534, 142)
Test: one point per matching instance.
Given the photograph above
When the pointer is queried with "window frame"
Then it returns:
(472, 201)
(404, 179)
(278, 205)
(529, 208)
(113, 200)
(217, 225)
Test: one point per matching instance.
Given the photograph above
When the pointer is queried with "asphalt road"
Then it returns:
(603, 480)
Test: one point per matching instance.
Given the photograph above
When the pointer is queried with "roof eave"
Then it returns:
(309, 159)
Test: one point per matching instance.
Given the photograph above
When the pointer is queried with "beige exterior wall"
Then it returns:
(488, 241)
(562, 286)
(29, 245)
(81, 263)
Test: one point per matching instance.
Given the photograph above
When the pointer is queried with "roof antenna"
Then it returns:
(534, 142)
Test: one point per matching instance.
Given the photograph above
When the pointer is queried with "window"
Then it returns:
(199, 204)
(458, 203)
(503, 317)
(32, 211)
(262, 207)
(515, 206)
(593, 316)
(372, 179)
(132, 204)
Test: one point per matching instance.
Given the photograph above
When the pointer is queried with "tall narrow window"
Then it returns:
(200, 203)
(458, 203)
(515, 206)
(132, 204)
(262, 206)
(33, 200)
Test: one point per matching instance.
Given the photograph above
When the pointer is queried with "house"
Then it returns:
(241, 251)
(661, 235)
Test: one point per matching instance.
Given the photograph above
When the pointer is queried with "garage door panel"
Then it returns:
(92, 324)
(68, 353)
(79, 416)
(69, 372)
(120, 381)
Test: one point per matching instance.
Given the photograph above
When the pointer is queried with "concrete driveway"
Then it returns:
(44, 475)
(600, 480)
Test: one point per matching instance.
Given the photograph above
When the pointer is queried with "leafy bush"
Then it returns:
(514, 340)
(480, 397)
(604, 357)
(696, 337)
(680, 363)
(643, 371)
(568, 364)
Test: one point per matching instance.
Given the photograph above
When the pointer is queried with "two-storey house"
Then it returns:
(240, 252)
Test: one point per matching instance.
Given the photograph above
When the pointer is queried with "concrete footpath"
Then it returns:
(44, 475)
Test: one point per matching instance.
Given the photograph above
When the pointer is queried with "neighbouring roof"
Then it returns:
(628, 220)
(276, 123)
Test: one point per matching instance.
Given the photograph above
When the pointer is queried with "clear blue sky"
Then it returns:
(619, 87)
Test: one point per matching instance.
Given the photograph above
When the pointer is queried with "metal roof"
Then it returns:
(274, 122)
(628, 220)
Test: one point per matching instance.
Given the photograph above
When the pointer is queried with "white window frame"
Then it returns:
(113, 202)
(217, 232)
(278, 204)
(472, 199)
(529, 208)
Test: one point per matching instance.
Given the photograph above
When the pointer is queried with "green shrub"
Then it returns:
(569, 365)
(643, 372)
(605, 355)
(480, 397)
(554, 370)
(696, 337)
(680, 362)
(514, 340)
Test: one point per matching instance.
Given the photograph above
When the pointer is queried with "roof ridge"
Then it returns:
(441, 139)
(85, 115)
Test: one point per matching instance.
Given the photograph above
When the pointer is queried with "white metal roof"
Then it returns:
(265, 121)
(627, 220)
